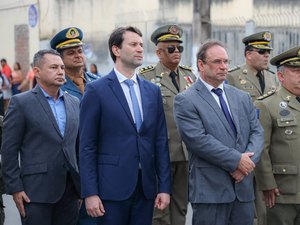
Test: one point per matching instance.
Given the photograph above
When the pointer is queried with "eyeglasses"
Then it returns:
(262, 51)
(171, 48)
(218, 61)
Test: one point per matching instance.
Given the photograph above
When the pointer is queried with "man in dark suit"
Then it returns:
(124, 157)
(41, 125)
(224, 139)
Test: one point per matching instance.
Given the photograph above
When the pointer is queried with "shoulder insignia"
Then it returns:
(146, 69)
(270, 71)
(186, 67)
(266, 95)
(234, 68)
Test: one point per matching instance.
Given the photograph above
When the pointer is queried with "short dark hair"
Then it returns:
(38, 57)
(201, 54)
(248, 48)
(3, 60)
(116, 38)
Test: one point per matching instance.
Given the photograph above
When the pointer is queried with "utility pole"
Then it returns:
(201, 25)
(201, 21)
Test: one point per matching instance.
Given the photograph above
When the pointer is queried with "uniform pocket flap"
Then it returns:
(108, 159)
(34, 169)
(286, 122)
(285, 169)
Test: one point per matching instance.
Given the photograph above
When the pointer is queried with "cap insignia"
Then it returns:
(72, 33)
(173, 29)
(267, 36)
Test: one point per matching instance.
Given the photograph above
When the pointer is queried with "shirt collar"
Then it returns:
(61, 93)
(122, 78)
(210, 87)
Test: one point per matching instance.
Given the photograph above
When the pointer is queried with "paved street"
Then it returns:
(12, 216)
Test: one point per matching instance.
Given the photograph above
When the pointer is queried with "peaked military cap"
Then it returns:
(290, 57)
(261, 40)
(67, 38)
(167, 33)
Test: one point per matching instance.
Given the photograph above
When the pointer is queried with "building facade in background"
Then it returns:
(28, 25)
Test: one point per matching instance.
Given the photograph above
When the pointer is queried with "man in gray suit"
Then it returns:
(41, 125)
(224, 139)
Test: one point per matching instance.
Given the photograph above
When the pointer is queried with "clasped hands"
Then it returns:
(245, 167)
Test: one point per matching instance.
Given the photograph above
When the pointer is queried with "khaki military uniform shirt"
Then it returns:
(279, 166)
(244, 78)
(159, 75)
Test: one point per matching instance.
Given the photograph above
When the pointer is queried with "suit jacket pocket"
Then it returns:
(286, 178)
(108, 159)
(34, 169)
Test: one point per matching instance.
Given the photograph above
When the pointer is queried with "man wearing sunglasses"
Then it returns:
(255, 78)
(172, 79)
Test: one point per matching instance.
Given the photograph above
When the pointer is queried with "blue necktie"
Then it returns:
(135, 104)
(219, 91)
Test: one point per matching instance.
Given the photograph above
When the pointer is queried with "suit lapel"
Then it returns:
(165, 80)
(290, 98)
(207, 96)
(46, 107)
(69, 112)
(119, 94)
(234, 107)
(145, 97)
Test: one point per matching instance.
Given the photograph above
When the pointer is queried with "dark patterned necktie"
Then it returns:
(174, 81)
(219, 91)
(261, 80)
(298, 98)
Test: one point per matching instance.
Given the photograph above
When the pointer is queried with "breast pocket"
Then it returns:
(167, 99)
(288, 128)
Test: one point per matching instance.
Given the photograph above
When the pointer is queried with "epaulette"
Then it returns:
(146, 69)
(266, 95)
(270, 71)
(234, 68)
(186, 67)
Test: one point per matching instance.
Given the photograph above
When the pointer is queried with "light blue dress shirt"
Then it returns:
(58, 109)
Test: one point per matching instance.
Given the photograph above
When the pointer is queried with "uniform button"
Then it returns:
(284, 170)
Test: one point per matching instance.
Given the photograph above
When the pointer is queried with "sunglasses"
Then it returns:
(262, 51)
(171, 48)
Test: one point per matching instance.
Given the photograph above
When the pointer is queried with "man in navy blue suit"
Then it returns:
(124, 158)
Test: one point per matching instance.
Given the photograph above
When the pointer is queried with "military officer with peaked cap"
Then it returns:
(68, 42)
(254, 76)
(172, 78)
(278, 172)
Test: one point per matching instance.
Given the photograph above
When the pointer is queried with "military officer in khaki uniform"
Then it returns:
(172, 78)
(254, 76)
(278, 172)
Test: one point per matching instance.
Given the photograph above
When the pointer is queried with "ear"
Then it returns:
(200, 65)
(280, 76)
(36, 71)
(115, 50)
(158, 53)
